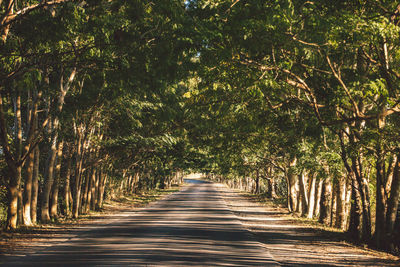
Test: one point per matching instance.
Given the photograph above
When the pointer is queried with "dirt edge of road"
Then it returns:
(319, 230)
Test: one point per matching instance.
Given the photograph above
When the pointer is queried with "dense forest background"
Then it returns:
(297, 100)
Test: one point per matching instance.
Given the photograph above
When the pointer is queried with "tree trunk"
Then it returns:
(356, 172)
(92, 190)
(355, 227)
(12, 195)
(311, 197)
(341, 204)
(291, 183)
(14, 167)
(78, 179)
(67, 188)
(55, 187)
(324, 215)
(257, 183)
(348, 201)
(393, 203)
(381, 204)
(32, 125)
(365, 199)
(35, 185)
(100, 179)
(137, 180)
(318, 193)
(333, 205)
(303, 192)
(48, 181)
(271, 188)
(28, 189)
(96, 190)
(101, 190)
(86, 183)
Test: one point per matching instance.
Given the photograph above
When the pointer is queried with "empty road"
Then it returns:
(193, 227)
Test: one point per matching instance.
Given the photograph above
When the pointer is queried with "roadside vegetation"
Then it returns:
(298, 100)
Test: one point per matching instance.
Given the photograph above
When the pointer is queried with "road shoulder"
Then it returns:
(293, 243)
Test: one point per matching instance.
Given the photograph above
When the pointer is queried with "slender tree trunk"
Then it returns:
(333, 205)
(13, 191)
(271, 188)
(271, 192)
(20, 209)
(137, 180)
(101, 190)
(14, 167)
(291, 183)
(35, 185)
(92, 190)
(100, 179)
(393, 204)
(318, 189)
(348, 201)
(28, 189)
(32, 126)
(299, 200)
(78, 179)
(364, 195)
(311, 197)
(55, 187)
(48, 181)
(96, 190)
(303, 193)
(355, 227)
(359, 224)
(381, 204)
(67, 187)
(325, 202)
(341, 204)
(257, 183)
(86, 182)
(131, 180)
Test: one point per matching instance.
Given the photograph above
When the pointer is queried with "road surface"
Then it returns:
(193, 227)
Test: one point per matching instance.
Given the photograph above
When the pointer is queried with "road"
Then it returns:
(193, 227)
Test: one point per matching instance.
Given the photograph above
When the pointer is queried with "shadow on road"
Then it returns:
(292, 244)
(190, 228)
(196, 181)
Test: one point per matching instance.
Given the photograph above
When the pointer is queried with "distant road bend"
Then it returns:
(193, 227)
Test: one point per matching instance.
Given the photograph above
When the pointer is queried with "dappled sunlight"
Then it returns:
(205, 224)
(192, 227)
(292, 244)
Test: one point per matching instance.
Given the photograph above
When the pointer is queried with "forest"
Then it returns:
(295, 100)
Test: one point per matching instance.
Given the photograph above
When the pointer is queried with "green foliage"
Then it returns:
(214, 86)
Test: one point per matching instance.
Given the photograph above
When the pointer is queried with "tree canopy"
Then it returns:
(295, 99)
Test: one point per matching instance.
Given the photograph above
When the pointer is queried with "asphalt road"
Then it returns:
(193, 227)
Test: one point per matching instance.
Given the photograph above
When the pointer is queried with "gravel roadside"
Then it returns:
(296, 244)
